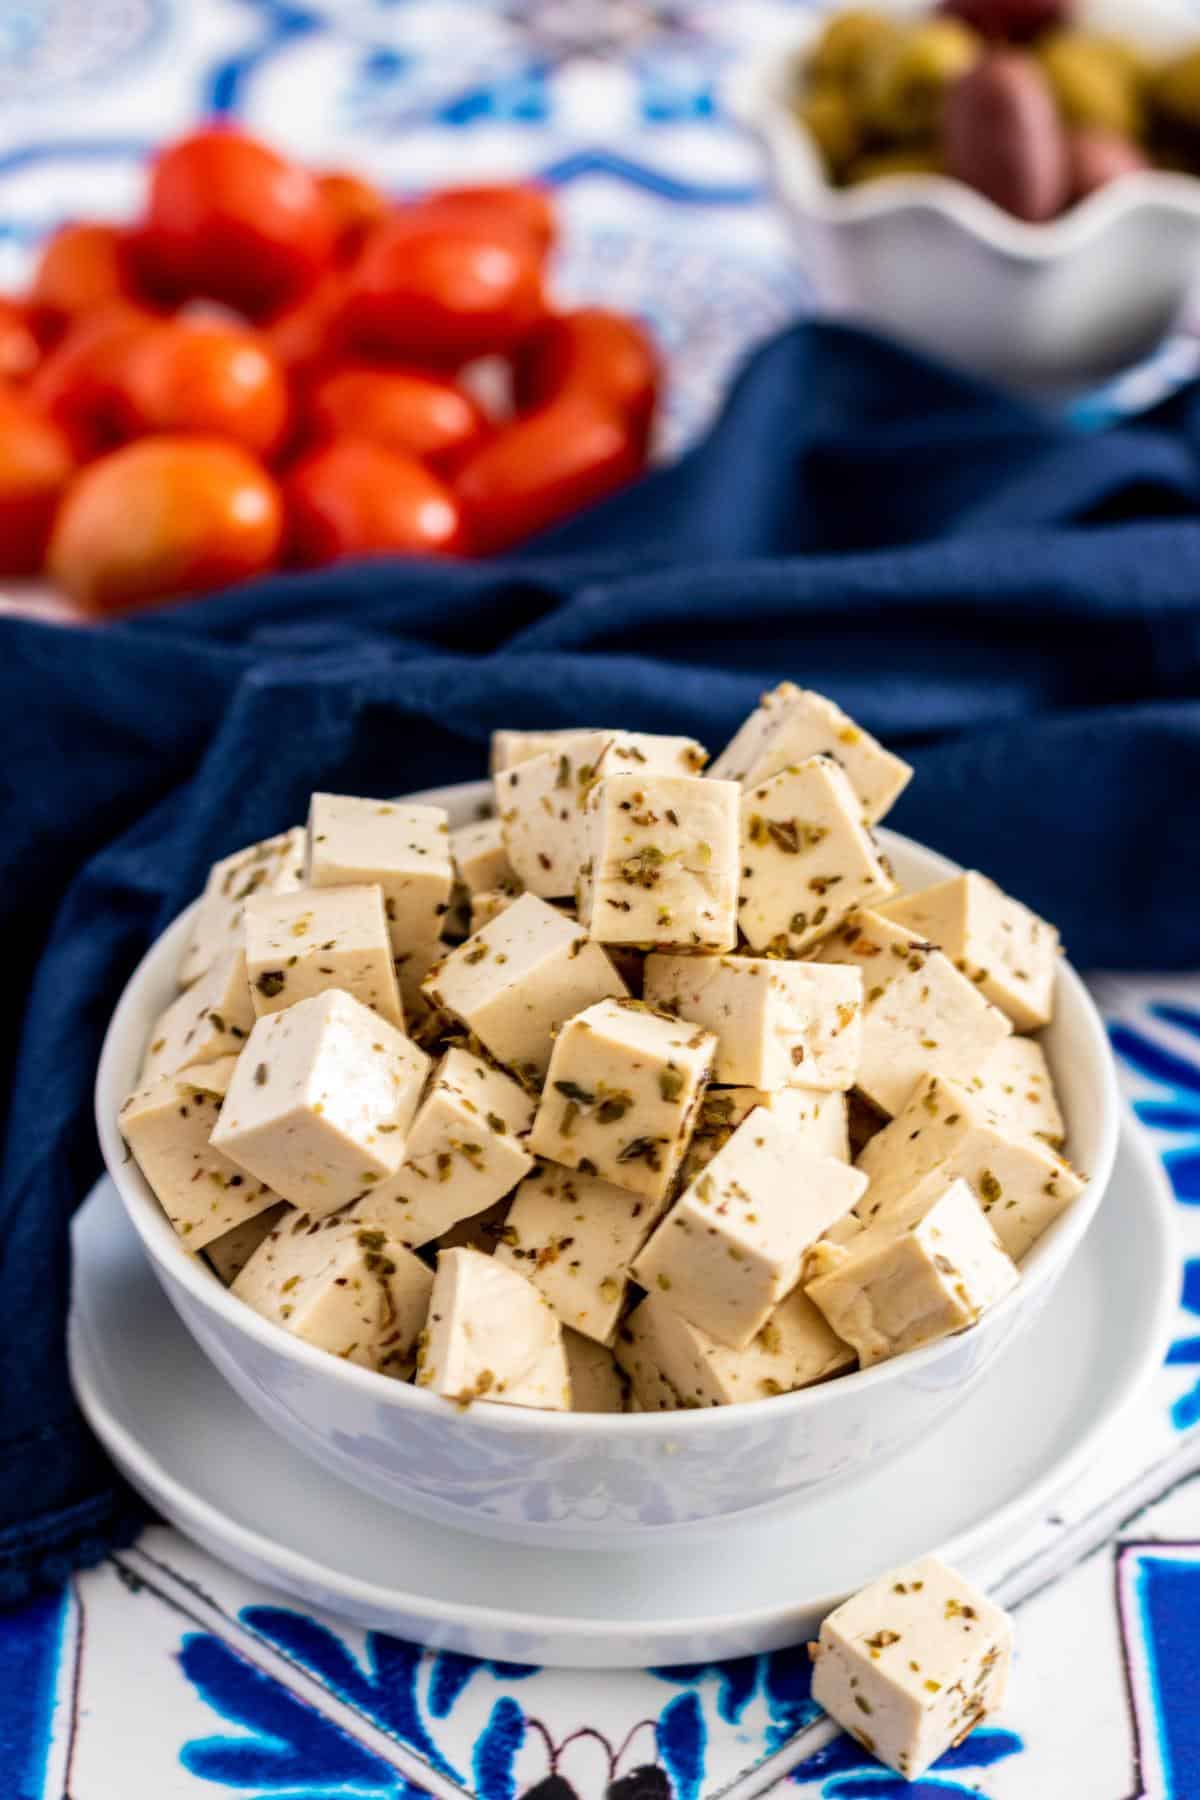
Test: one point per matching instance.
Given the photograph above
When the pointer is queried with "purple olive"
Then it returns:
(1098, 157)
(1012, 21)
(1002, 135)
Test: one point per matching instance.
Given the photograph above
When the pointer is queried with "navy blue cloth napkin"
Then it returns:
(1014, 605)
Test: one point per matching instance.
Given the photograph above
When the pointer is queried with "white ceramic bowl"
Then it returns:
(937, 264)
(595, 1480)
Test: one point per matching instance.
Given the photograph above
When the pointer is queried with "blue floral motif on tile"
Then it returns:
(782, 1678)
(1159, 1591)
(847, 1773)
(30, 1645)
(1180, 1111)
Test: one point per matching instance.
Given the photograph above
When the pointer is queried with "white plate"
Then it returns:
(201, 1457)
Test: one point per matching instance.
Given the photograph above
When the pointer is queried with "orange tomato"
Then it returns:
(19, 347)
(422, 415)
(354, 498)
(79, 384)
(199, 375)
(35, 465)
(164, 517)
(308, 335)
(355, 206)
(565, 455)
(604, 352)
(81, 267)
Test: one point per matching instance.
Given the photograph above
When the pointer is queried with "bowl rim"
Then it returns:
(756, 93)
(1045, 1261)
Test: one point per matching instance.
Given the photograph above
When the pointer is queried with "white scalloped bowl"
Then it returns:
(935, 263)
(593, 1480)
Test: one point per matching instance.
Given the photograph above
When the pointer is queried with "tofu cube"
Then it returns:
(791, 724)
(574, 1236)
(912, 1664)
(597, 1384)
(491, 1336)
(167, 1125)
(1022, 1184)
(488, 905)
(621, 1095)
(1005, 949)
(229, 1253)
(918, 1274)
(511, 748)
(732, 1246)
(463, 1152)
(321, 1101)
(671, 1363)
(779, 1024)
(516, 982)
(1016, 1086)
(298, 945)
(817, 1117)
(920, 1015)
(480, 859)
(542, 801)
(275, 866)
(807, 858)
(662, 861)
(210, 1019)
(399, 847)
(343, 1287)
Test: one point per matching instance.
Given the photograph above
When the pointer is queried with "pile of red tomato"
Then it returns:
(264, 372)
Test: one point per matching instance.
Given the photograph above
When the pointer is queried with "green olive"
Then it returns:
(845, 47)
(830, 119)
(911, 160)
(905, 83)
(1175, 97)
(1094, 82)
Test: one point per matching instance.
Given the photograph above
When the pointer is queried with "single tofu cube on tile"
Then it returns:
(1005, 949)
(397, 846)
(662, 862)
(920, 1015)
(921, 1272)
(298, 945)
(343, 1287)
(275, 866)
(515, 982)
(491, 1336)
(480, 859)
(321, 1101)
(167, 1124)
(543, 802)
(481, 1231)
(229, 1253)
(668, 1359)
(814, 1115)
(780, 1024)
(210, 1019)
(488, 905)
(1022, 1184)
(911, 1664)
(732, 1246)
(807, 858)
(574, 1236)
(597, 1384)
(1016, 1085)
(464, 1151)
(510, 748)
(791, 724)
(621, 1095)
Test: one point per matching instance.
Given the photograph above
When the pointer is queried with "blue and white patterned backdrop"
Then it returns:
(161, 1674)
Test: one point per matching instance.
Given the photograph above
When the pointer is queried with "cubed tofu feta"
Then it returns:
(275, 866)
(671, 1363)
(515, 983)
(480, 859)
(167, 1125)
(491, 1336)
(662, 861)
(814, 1115)
(790, 725)
(229, 1253)
(780, 1024)
(912, 1664)
(621, 1095)
(920, 1015)
(543, 801)
(1016, 1085)
(397, 846)
(482, 1231)
(574, 1236)
(298, 945)
(412, 966)
(488, 905)
(922, 1271)
(212, 1018)
(343, 1287)
(510, 748)
(1021, 1183)
(807, 858)
(732, 1246)
(597, 1384)
(1005, 949)
(321, 1101)
(463, 1152)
